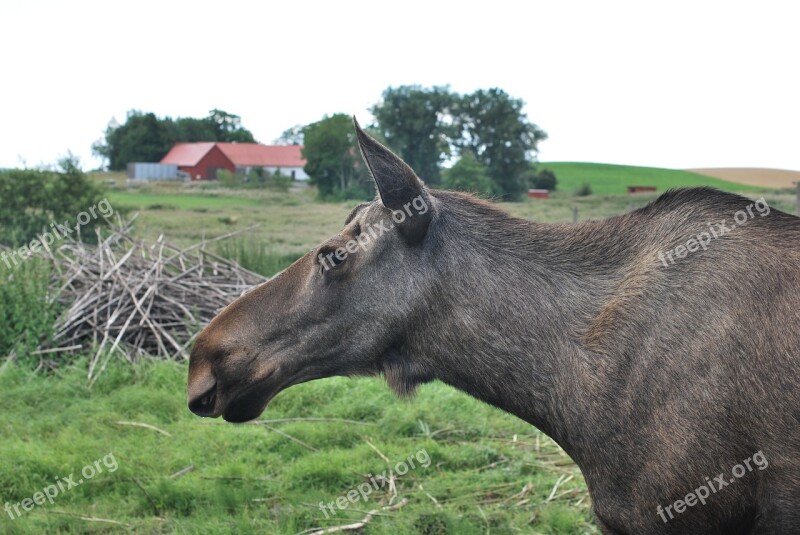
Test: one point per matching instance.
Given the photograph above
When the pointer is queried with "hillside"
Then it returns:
(609, 179)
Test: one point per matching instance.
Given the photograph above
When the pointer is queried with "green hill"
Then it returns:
(610, 179)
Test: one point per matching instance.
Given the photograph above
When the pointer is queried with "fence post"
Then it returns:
(797, 208)
(575, 212)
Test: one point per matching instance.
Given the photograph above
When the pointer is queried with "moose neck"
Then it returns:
(508, 318)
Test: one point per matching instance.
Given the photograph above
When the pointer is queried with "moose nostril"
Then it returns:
(203, 405)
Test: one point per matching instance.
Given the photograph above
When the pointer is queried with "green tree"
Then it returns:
(332, 159)
(291, 136)
(189, 129)
(544, 179)
(468, 174)
(146, 138)
(493, 126)
(35, 198)
(228, 127)
(143, 138)
(414, 122)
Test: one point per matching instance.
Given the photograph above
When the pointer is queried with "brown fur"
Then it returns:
(652, 378)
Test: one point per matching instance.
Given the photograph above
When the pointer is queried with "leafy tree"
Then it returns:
(189, 129)
(143, 138)
(494, 127)
(544, 179)
(146, 138)
(468, 174)
(35, 198)
(291, 136)
(414, 122)
(228, 127)
(332, 159)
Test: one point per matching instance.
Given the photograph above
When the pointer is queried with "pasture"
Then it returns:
(610, 179)
(488, 473)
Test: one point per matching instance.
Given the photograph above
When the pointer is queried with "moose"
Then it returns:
(661, 380)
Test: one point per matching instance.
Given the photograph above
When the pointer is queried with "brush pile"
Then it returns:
(127, 296)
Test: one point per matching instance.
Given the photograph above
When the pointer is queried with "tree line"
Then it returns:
(481, 142)
(144, 137)
(485, 135)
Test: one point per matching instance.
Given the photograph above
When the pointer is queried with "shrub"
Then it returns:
(26, 316)
(468, 174)
(257, 256)
(228, 179)
(279, 181)
(544, 179)
(355, 191)
(35, 198)
(583, 190)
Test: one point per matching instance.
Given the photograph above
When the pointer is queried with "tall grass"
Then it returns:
(257, 256)
(25, 311)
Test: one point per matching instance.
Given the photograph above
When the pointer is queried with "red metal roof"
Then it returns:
(255, 154)
(187, 154)
(241, 154)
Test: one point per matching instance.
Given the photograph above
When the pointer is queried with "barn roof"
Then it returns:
(187, 154)
(240, 154)
(255, 154)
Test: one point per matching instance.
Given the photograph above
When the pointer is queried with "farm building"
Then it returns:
(202, 161)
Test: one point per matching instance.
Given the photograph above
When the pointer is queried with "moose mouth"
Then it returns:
(249, 403)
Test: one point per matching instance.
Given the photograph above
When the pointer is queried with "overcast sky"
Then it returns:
(684, 84)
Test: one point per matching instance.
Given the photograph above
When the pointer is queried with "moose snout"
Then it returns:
(202, 394)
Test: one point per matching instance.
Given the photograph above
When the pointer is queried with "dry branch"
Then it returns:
(128, 297)
(355, 526)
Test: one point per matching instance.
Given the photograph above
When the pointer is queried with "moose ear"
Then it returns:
(400, 189)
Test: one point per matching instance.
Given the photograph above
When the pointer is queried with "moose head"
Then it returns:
(333, 311)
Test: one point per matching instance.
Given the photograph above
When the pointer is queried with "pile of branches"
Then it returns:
(126, 296)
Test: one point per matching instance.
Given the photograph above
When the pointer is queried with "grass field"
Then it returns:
(608, 179)
(488, 472)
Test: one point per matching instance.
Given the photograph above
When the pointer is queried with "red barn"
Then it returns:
(202, 161)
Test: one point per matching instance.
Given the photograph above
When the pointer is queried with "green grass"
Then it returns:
(607, 179)
(488, 471)
(178, 201)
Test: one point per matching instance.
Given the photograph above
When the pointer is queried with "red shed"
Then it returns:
(538, 194)
(200, 160)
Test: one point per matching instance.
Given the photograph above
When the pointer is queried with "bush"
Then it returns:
(35, 198)
(256, 177)
(228, 179)
(256, 256)
(279, 181)
(544, 179)
(468, 174)
(26, 316)
(355, 191)
(583, 190)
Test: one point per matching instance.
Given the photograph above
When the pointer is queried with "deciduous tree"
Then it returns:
(332, 159)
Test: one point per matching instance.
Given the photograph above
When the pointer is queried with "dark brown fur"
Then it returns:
(652, 378)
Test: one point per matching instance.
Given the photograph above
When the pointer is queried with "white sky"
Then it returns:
(682, 84)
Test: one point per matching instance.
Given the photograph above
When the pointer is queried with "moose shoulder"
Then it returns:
(660, 349)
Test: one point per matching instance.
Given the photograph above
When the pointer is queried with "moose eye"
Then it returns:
(328, 259)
